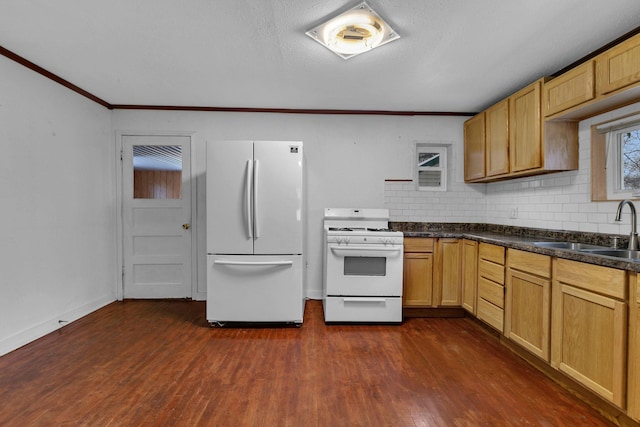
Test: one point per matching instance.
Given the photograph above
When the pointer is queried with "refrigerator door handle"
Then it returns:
(256, 215)
(248, 199)
(258, 263)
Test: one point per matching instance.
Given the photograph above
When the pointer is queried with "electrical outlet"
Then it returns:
(514, 213)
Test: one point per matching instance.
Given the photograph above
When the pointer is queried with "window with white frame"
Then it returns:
(623, 161)
(431, 167)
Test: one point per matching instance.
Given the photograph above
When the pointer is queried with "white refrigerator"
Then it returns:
(255, 231)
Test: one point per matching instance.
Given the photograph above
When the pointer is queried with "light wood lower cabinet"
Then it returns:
(589, 327)
(469, 275)
(528, 301)
(418, 272)
(633, 390)
(447, 273)
(490, 299)
(432, 272)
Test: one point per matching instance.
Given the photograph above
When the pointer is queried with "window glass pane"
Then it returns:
(630, 142)
(431, 160)
(429, 178)
(157, 172)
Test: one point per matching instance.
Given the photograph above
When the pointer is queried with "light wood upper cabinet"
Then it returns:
(589, 327)
(497, 139)
(569, 90)
(619, 67)
(474, 147)
(576, 95)
(517, 142)
(528, 301)
(469, 275)
(525, 126)
(418, 272)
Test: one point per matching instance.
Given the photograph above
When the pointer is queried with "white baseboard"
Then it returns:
(199, 296)
(314, 294)
(26, 336)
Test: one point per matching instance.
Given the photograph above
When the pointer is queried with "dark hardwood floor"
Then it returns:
(157, 363)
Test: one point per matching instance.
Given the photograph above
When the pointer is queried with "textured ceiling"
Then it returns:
(453, 55)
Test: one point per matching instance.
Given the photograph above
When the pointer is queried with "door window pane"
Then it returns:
(157, 172)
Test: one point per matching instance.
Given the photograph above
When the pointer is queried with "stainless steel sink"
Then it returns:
(573, 246)
(617, 253)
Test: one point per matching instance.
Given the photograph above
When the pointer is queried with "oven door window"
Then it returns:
(365, 266)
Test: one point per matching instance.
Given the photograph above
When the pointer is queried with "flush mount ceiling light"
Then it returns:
(355, 31)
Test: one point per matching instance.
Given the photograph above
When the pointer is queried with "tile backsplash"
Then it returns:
(558, 201)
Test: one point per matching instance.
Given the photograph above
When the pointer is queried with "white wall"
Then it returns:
(348, 157)
(57, 252)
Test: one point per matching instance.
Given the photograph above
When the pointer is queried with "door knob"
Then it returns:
(186, 226)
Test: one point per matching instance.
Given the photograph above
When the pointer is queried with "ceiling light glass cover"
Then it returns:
(355, 31)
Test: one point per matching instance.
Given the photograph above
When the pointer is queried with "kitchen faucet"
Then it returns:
(633, 237)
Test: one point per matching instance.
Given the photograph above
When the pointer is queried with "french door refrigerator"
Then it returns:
(255, 233)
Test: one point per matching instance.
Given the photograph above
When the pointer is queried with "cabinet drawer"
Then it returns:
(491, 292)
(418, 244)
(602, 280)
(491, 314)
(491, 253)
(491, 271)
(570, 89)
(537, 264)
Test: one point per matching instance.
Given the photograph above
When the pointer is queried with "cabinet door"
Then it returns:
(633, 393)
(589, 340)
(525, 127)
(490, 299)
(474, 146)
(469, 275)
(418, 280)
(528, 311)
(570, 89)
(450, 279)
(619, 66)
(497, 139)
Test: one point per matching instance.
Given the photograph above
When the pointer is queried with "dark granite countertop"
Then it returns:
(523, 238)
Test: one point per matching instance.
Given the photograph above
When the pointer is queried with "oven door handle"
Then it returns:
(365, 299)
(365, 251)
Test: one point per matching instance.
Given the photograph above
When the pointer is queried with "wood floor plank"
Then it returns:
(158, 363)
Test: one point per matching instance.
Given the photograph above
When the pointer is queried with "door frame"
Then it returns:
(119, 135)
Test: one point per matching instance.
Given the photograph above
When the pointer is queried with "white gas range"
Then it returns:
(363, 263)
